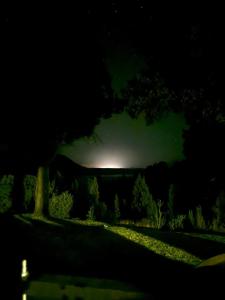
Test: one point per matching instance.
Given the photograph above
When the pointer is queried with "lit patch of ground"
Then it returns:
(156, 246)
(210, 237)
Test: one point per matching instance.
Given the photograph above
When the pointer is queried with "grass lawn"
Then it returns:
(150, 260)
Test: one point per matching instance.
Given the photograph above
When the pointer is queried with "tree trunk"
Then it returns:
(42, 192)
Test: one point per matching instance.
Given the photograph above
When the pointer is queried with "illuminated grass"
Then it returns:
(86, 222)
(151, 243)
(156, 246)
(210, 237)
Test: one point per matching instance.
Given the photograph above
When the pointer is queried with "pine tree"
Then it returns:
(92, 196)
(93, 190)
(141, 197)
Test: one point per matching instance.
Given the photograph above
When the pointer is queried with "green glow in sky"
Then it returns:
(125, 143)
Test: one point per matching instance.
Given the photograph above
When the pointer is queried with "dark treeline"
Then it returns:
(184, 182)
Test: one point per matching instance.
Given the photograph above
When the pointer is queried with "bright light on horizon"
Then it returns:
(109, 166)
(107, 161)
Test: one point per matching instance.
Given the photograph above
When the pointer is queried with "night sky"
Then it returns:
(183, 46)
(123, 142)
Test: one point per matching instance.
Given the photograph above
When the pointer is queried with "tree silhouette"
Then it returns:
(55, 89)
(183, 75)
(183, 66)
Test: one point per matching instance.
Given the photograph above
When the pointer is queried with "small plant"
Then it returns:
(61, 205)
(191, 218)
(91, 213)
(155, 214)
(160, 218)
(200, 221)
(177, 222)
(197, 220)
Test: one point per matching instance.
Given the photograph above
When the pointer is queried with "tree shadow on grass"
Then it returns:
(197, 246)
(199, 283)
(93, 251)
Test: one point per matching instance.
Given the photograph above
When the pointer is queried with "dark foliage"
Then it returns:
(55, 86)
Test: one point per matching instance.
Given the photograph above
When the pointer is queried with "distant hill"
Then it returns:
(67, 167)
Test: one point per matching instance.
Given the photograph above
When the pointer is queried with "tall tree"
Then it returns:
(141, 198)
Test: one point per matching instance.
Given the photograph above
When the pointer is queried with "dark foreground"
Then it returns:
(91, 254)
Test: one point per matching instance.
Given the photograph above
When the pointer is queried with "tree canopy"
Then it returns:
(55, 86)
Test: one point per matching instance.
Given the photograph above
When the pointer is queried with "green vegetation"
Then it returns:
(177, 222)
(156, 246)
(142, 207)
(91, 213)
(93, 190)
(6, 186)
(61, 205)
(142, 198)
(99, 250)
(196, 219)
(191, 218)
(218, 222)
(206, 236)
(200, 221)
(159, 218)
(152, 242)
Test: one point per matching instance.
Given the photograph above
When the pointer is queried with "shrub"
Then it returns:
(197, 220)
(98, 211)
(177, 222)
(6, 186)
(155, 214)
(7, 180)
(91, 213)
(191, 218)
(200, 221)
(160, 219)
(61, 205)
